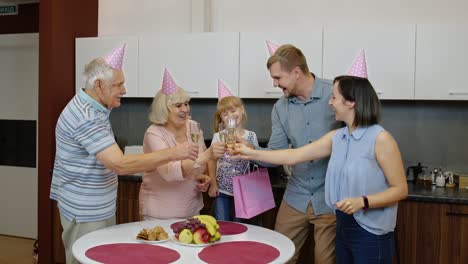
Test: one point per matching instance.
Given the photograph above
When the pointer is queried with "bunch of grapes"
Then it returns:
(191, 224)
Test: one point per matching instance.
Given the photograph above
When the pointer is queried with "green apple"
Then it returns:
(185, 236)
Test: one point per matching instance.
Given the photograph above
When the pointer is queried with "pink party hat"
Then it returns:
(272, 47)
(223, 91)
(169, 86)
(115, 59)
(359, 66)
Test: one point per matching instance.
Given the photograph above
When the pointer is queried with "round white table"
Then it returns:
(126, 233)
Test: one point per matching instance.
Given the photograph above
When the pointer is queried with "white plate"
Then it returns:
(175, 240)
(151, 241)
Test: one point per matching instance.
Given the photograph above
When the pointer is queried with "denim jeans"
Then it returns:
(224, 210)
(354, 244)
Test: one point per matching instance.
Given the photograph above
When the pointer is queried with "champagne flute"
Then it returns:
(222, 133)
(231, 133)
(195, 132)
(195, 137)
(231, 142)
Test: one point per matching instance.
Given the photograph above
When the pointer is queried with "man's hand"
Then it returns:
(242, 151)
(245, 142)
(185, 151)
(217, 149)
(203, 182)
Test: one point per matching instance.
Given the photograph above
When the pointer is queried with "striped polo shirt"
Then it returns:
(84, 189)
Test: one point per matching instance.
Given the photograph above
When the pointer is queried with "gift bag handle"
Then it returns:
(247, 169)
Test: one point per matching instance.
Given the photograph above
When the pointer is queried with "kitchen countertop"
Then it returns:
(415, 192)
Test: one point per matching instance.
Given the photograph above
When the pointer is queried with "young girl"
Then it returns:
(226, 167)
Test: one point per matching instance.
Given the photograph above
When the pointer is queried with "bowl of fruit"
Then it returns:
(198, 231)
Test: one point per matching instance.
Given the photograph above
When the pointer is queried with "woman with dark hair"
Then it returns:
(365, 176)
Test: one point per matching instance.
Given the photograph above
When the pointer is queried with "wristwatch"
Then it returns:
(366, 203)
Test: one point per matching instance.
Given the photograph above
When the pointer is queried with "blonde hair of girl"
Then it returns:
(226, 104)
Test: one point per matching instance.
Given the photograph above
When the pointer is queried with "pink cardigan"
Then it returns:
(164, 192)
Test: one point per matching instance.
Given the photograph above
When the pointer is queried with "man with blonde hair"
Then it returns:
(88, 160)
(299, 117)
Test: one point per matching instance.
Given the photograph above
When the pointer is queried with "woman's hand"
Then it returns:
(243, 151)
(203, 182)
(350, 205)
(213, 191)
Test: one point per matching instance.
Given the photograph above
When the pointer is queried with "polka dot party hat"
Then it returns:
(272, 47)
(115, 59)
(169, 86)
(359, 66)
(223, 90)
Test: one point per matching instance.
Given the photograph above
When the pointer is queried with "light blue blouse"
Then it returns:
(353, 171)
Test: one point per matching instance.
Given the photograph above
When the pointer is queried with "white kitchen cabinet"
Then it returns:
(442, 62)
(195, 61)
(89, 48)
(390, 53)
(255, 80)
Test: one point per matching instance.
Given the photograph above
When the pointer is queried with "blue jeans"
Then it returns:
(224, 210)
(354, 244)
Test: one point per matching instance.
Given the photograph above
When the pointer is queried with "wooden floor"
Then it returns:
(14, 250)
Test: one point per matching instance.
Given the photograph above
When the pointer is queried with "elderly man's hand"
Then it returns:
(185, 151)
(217, 149)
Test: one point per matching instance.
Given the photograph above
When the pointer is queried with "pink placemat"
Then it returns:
(231, 228)
(245, 252)
(225, 228)
(132, 253)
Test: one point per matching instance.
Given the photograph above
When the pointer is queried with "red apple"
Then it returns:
(201, 236)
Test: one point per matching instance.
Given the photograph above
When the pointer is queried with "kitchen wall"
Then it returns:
(432, 132)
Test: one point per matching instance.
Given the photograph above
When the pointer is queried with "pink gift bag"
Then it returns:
(252, 193)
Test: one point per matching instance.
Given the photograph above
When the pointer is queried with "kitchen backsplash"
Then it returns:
(434, 133)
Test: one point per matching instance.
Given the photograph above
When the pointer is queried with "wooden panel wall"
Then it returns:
(60, 23)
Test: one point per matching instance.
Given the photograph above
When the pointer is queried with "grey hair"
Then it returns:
(97, 69)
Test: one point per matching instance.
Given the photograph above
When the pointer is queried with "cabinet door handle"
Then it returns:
(273, 92)
(458, 93)
(192, 92)
(378, 92)
(456, 214)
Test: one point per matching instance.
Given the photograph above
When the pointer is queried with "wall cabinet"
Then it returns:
(442, 62)
(196, 61)
(389, 51)
(89, 48)
(255, 80)
(405, 62)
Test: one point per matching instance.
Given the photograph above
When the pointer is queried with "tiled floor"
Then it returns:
(14, 250)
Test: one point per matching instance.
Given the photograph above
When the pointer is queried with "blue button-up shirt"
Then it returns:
(298, 123)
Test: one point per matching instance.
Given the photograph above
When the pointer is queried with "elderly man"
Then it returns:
(88, 160)
(301, 116)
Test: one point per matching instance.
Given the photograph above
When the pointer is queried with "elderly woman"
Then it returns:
(365, 176)
(174, 190)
